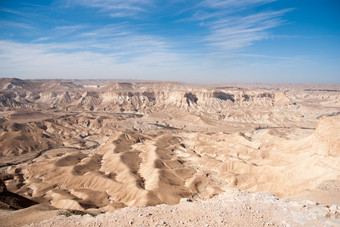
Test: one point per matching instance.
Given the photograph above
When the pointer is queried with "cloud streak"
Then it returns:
(116, 8)
(126, 41)
(17, 25)
(226, 31)
(233, 3)
(11, 11)
(42, 60)
(236, 33)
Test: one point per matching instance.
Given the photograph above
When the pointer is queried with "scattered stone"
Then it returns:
(333, 208)
(185, 200)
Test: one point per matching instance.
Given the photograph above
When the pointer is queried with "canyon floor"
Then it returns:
(168, 154)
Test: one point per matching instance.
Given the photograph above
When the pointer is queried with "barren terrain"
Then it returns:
(103, 146)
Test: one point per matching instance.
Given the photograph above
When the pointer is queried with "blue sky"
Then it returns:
(201, 41)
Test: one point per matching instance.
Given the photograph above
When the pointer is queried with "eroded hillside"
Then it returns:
(104, 146)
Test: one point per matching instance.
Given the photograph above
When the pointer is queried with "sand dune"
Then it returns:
(106, 147)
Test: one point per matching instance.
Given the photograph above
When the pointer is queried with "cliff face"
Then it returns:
(139, 99)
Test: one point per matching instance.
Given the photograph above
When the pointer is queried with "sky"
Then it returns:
(197, 41)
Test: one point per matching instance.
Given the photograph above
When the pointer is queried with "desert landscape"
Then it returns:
(169, 113)
(151, 153)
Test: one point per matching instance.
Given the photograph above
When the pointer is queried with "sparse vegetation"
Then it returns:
(69, 213)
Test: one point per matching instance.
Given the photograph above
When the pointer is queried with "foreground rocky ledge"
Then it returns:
(233, 208)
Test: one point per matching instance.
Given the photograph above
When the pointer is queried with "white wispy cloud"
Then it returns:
(126, 49)
(71, 27)
(32, 60)
(116, 8)
(232, 3)
(231, 27)
(108, 30)
(14, 24)
(11, 11)
(119, 39)
(237, 32)
(42, 39)
(43, 61)
(291, 59)
(103, 51)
